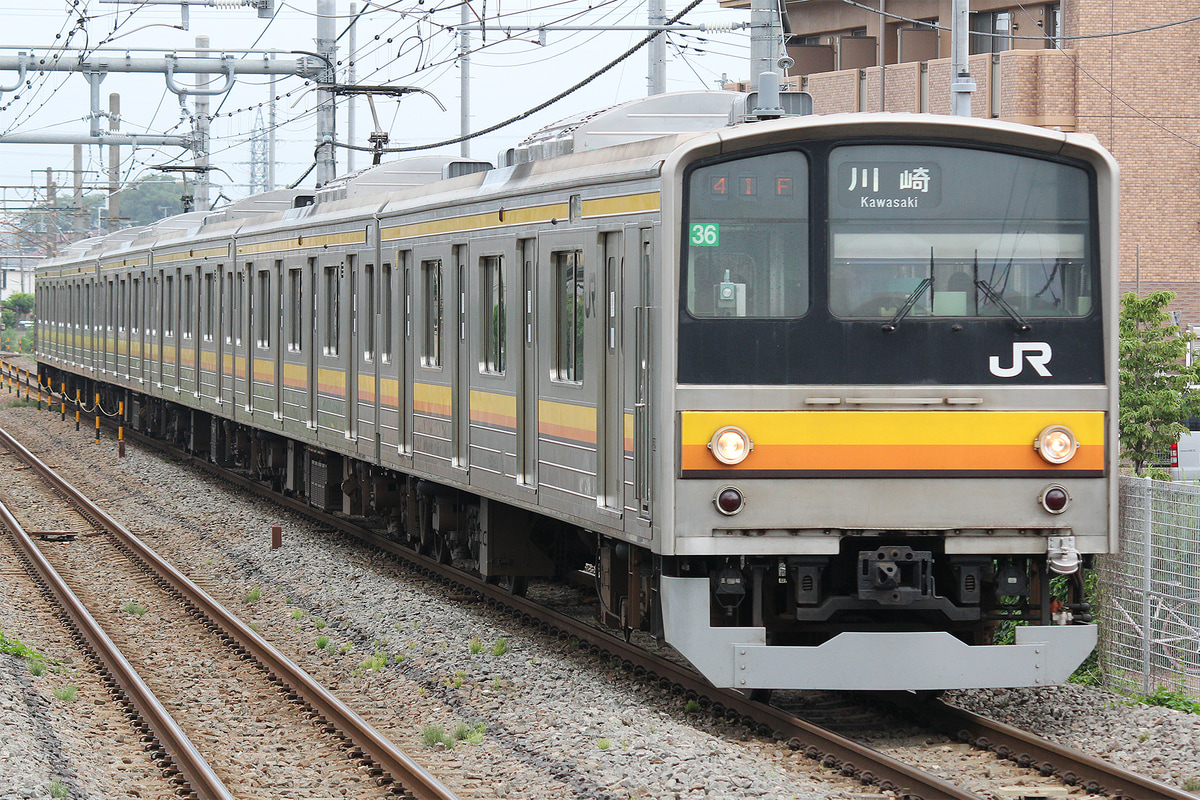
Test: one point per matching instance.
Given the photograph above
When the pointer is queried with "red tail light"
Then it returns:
(1174, 454)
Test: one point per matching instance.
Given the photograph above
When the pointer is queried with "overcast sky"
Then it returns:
(397, 42)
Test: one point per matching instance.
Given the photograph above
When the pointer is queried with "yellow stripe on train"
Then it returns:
(813, 442)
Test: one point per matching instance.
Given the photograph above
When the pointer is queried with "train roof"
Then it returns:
(625, 141)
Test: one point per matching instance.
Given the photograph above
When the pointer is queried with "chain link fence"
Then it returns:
(1150, 592)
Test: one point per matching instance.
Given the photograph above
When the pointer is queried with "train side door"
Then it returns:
(643, 366)
(226, 351)
(278, 332)
(568, 405)
(408, 281)
(461, 368)
(527, 408)
(364, 389)
(611, 438)
(491, 382)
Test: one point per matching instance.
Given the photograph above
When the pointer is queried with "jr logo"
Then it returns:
(1036, 353)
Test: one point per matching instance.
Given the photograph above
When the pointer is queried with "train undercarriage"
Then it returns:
(881, 583)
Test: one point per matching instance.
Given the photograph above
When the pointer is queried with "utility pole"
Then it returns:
(77, 215)
(114, 164)
(326, 122)
(202, 125)
(962, 84)
(351, 78)
(464, 79)
(52, 215)
(271, 137)
(657, 50)
(764, 40)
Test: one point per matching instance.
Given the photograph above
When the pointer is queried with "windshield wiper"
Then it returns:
(911, 301)
(992, 295)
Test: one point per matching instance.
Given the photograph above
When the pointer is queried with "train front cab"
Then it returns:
(893, 421)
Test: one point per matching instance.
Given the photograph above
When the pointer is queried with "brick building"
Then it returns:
(1135, 92)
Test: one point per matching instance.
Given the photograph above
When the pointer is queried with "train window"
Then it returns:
(185, 308)
(746, 236)
(385, 305)
(296, 310)
(333, 313)
(431, 274)
(135, 316)
(569, 313)
(122, 300)
(954, 232)
(263, 308)
(152, 306)
(169, 306)
(368, 321)
(493, 314)
(239, 303)
(210, 305)
(225, 305)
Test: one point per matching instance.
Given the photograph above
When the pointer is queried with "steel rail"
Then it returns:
(409, 774)
(201, 778)
(1071, 766)
(830, 749)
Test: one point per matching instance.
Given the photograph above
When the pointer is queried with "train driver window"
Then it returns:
(935, 231)
(747, 238)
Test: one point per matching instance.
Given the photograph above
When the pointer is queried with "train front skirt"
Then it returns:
(739, 658)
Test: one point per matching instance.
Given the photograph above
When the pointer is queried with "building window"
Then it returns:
(295, 306)
(1052, 25)
(333, 304)
(431, 273)
(991, 31)
(493, 314)
(568, 273)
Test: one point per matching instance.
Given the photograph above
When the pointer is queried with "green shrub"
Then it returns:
(66, 693)
(500, 647)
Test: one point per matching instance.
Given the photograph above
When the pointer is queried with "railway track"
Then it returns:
(293, 701)
(831, 750)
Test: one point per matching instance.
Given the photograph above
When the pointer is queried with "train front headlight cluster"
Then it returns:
(1056, 444)
(730, 445)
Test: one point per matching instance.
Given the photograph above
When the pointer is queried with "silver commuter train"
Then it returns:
(824, 402)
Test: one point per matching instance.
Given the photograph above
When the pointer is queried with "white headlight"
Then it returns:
(1056, 444)
(730, 445)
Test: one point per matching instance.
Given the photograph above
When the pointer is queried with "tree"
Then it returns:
(20, 303)
(1156, 394)
(150, 199)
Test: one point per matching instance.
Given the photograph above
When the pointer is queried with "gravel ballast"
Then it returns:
(524, 715)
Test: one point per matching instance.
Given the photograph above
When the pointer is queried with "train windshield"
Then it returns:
(748, 238)
(926, 231)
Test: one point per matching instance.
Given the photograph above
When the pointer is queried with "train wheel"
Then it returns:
(439, 548)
